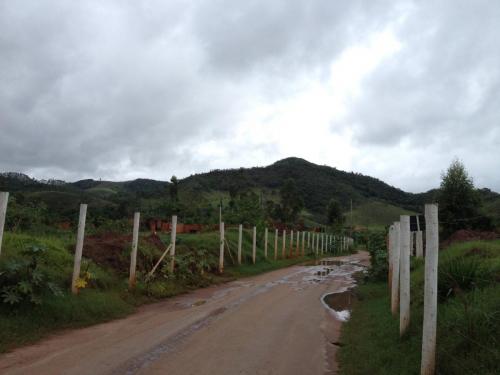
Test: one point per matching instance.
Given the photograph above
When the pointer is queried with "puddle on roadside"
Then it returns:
(339, 303)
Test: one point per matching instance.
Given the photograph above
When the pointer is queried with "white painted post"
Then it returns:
(312, 242)
(322, 243)
(276, 244)
(221, 251)
(4, 198)
(284, 244)
(396, 254)
(290, 251)
(390, 254)
(308, 240)
(430, 290)
(173, 237)
(133, 254)
(404, 289)
(240, 242)
(298, 244)
(265, 243)
(79, 248)
(254, 244)
(317, 243)
(303, 243)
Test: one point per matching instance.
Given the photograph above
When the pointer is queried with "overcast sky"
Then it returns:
(125, 89)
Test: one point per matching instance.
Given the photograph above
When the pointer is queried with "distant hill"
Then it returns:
(375, 202)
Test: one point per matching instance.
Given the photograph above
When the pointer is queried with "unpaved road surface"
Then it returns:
(273, 323)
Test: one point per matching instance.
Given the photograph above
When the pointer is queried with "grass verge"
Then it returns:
(468, 334)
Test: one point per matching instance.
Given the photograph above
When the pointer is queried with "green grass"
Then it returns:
(468, 334)
(375, 214)
(108, 297)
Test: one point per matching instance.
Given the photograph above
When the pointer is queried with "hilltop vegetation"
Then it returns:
(197, 198)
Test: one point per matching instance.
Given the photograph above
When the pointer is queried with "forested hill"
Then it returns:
(316, 183)
(198, 196)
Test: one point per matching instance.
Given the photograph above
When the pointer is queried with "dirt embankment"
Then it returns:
(464, 235)
(112, 250)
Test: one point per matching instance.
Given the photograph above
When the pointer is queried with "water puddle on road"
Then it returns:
(339, 303)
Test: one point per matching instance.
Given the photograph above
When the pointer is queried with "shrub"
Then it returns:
(461, 274)
(23, 279)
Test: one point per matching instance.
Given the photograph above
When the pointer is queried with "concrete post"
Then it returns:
(390, 253)
(303, 243)
(322, 243)
(284, 244)
(254, 244)
(312, 242)
(4, 198)
(276, 244)
(173, 238)
(133, 254)
(265, 243)
(240, 242)
(308, 240)
(404, 288)
(79, 248)
(317, 243)
(221, 251)
(430, 290)
(297, 248)
(420, 244)
(396, 254)
(290, 251)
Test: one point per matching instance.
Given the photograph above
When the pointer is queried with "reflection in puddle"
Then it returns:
(339, 303)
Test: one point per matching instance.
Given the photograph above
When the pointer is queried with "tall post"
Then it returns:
(430, 290)
(317, 243)
(254, 244)
(303, 243)
(308, 240)
(275, 244)
(4, 198)
(133, 254)
(79, 248)
(284, 244)
(396, 254)
(312, 242)
(297, 247)
(390, 254)
(265, 243)
(173, 237)
(290, 251)
(420, 244)
(221, 251)
(240, 242)
(404, 300)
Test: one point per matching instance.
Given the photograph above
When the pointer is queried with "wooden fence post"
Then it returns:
(275, 244)
(254, 244)
(79, 248)
(240, 241)
(430, 290)
(284, 244)
(4, 198)
(173, 237)
(133, 254)
(404, 289)
(396, 254)
(221, 251)
(265, 243)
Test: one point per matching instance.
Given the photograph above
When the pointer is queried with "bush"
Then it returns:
(23, 279)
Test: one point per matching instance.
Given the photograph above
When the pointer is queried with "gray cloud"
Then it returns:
(127, 89)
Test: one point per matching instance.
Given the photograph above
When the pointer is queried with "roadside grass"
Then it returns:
(107, 297)
(468, 335)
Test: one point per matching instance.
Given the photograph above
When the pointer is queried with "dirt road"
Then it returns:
(273, 323)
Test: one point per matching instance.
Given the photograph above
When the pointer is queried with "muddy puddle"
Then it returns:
(340, 304)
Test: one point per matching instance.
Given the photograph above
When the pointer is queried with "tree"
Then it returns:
(334, 212)
(291, 201)
(458, 200)
(173, 188)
